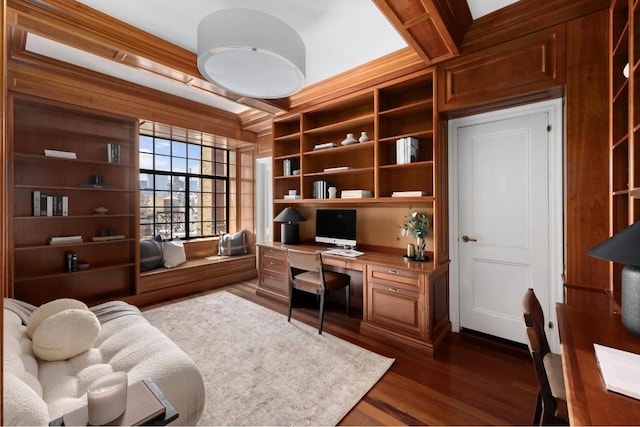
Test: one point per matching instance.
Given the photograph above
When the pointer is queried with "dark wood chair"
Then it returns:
(551, 405)
(307, 274)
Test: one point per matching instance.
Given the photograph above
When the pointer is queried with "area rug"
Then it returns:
(259, 369)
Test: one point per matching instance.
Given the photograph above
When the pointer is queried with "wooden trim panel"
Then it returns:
(530, 64)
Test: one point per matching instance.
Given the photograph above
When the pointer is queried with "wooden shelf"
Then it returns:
(89, 271)
(37, 271)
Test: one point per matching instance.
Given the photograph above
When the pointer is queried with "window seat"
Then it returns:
(204, 270)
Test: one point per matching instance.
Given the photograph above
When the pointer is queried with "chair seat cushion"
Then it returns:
(309, 281)
(553, 366)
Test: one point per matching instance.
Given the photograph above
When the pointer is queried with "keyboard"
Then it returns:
(351, 253)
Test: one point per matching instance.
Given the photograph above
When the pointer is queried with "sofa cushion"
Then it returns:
(151, 254)
(49, 309)
(173, 253)
(232, 244)
(66, 334)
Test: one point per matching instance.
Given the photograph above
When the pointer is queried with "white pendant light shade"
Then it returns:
(251, 53)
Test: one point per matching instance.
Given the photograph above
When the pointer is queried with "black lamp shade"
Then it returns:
(624, 248)
(289, 230)
(289, 215)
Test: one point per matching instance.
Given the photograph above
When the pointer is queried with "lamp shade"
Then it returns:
(289, 215)
(623, 247)
(251, 53)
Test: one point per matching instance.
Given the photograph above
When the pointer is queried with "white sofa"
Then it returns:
(37, 391)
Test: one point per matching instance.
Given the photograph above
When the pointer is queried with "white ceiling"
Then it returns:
(339, 35)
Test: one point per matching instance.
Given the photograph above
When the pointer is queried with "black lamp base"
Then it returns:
(289, 233)
(630, 299)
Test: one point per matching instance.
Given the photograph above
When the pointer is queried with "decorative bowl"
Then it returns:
(101, 211)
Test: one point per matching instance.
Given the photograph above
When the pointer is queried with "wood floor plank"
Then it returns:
(472, 381)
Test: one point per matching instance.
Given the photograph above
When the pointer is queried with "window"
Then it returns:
(184, 183)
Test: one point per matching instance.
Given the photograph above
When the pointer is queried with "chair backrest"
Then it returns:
(308, 261)
(534, 323)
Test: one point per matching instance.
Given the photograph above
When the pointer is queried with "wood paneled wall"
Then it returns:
(587, 149)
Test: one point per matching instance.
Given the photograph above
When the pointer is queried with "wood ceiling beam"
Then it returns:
(433, 28)
(81, 27)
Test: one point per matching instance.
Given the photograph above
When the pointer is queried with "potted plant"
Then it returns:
(417, 225)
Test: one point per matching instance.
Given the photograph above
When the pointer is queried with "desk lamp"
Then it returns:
(289, 231)
(624, 248)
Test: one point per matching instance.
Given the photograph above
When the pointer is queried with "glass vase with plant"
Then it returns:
(416, 224)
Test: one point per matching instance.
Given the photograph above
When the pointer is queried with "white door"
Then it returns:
(503, 221)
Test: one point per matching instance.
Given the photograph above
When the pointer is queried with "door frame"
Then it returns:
(555, 109)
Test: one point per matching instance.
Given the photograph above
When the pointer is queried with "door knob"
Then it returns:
(468, 239)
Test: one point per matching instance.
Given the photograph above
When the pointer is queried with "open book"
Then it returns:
(620, 370)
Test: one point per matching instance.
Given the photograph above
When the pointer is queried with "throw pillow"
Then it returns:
(49, 309)
(66, 334)
(232, 244)
(151, 254)
(173, 253)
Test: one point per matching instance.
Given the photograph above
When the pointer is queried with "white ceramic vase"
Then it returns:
(363, 137)
(350, 139)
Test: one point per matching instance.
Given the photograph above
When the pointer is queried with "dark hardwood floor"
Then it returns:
(472, 380)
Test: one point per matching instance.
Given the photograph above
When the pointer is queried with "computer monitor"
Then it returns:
(336, 227)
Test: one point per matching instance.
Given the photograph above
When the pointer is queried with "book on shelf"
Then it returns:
(49, 205)
(107, 238)
(289, 166)
(407, 150)
(64, 240)
(409, 193)
(96, 186)
(338, 168)
(113, 153)
(292, 196)
(355, 194)
(60, 154)
(325, 145)
(321, 189)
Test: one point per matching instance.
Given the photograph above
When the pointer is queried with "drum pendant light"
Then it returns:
(251, 53)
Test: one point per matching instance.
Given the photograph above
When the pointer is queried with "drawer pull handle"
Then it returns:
(272, 263)
(393, 290)
(271, 277)
(393, 271)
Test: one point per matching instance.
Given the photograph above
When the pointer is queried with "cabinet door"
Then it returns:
(273, 271)
(396, 300)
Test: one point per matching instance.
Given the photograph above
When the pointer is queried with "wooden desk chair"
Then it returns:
(551, 405)
(306, 273)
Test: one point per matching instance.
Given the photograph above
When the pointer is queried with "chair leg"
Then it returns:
(348, 291)
(321, 312)
(290, 303)
(537, 415)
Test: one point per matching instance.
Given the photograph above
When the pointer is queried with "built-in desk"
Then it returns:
(404, 301)
(589, 401)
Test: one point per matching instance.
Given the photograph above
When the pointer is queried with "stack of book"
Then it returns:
(411, 193)
(113, 153)
(407, 150)
(65, 240)
(321, 189)
(60, 154)
(325, 145)
(355, 194)
(49, 205)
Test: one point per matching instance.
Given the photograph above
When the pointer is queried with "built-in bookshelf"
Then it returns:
(88, 161)
(624, 120)
(314, 139)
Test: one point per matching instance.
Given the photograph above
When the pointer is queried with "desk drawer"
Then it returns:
(275, 281)
(396, 278)
(275, 265)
